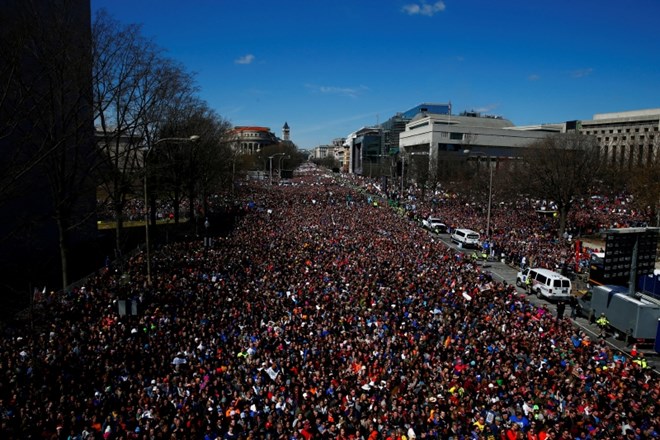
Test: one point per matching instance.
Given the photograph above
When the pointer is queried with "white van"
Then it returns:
(546, 283)
(465, 238)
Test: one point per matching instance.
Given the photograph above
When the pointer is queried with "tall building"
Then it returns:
(393, 127)
(47, 144)
(364, 149)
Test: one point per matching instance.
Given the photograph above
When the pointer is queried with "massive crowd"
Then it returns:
(525, 229)
(321, 316)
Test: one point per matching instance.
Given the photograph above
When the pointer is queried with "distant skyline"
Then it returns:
(328, 68)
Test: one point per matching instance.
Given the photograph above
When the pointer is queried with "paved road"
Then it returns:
(504, 272)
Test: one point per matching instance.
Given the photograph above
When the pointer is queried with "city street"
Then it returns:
(504, 272)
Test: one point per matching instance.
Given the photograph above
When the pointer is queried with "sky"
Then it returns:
(329, 68)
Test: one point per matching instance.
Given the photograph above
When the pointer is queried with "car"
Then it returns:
(545, 283)
(465, 238)
(434, 224)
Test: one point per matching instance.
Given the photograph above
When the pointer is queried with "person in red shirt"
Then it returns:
(514, 432)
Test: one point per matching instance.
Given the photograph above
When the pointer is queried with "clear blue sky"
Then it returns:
(331, 67)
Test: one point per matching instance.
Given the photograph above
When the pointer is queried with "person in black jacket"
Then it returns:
(561, 308)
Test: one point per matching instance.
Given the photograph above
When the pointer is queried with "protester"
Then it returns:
(316, 318)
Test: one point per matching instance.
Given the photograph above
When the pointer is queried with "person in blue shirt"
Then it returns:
(520, 419)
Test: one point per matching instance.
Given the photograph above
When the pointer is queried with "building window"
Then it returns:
(423, 124)
(456, 136)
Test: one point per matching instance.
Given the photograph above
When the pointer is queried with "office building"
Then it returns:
(627, 139)
(447, 139)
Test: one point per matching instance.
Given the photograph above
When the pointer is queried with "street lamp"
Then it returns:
(207, 240)
(192, 138)
(279, 164)
(403, 169)
(270, 158)
(490, 187)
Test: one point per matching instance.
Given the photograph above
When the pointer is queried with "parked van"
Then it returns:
(465, 238)
(545, 283)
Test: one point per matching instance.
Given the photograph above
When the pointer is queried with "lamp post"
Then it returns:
(279, 164)
(490, 187)
(192, 138)
(403, 168)
(270, 158)
(207, 239)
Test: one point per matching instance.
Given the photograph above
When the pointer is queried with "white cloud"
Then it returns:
(353, 92)
(581, 73)
(533, 77)
(245, 59)
(424, 8)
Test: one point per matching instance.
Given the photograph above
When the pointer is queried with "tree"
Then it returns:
(418, 170)
(644, 185)
(328, 162)
(203, 167)
(136, 89)
(561, 168)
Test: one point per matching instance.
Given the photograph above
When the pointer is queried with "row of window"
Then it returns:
(621, 130)
(624, 138)
(255, 135)
(630, 155)
(454, 136)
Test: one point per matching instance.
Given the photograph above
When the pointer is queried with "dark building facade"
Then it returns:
(47, 150)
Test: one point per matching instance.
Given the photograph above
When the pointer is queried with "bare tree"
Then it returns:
(134, 87)
(208, 164)
(220, 162)
(643, 180)
(561, 168)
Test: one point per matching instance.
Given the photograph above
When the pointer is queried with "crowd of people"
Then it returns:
(133, 210)
(323, 315)
(525, 229)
